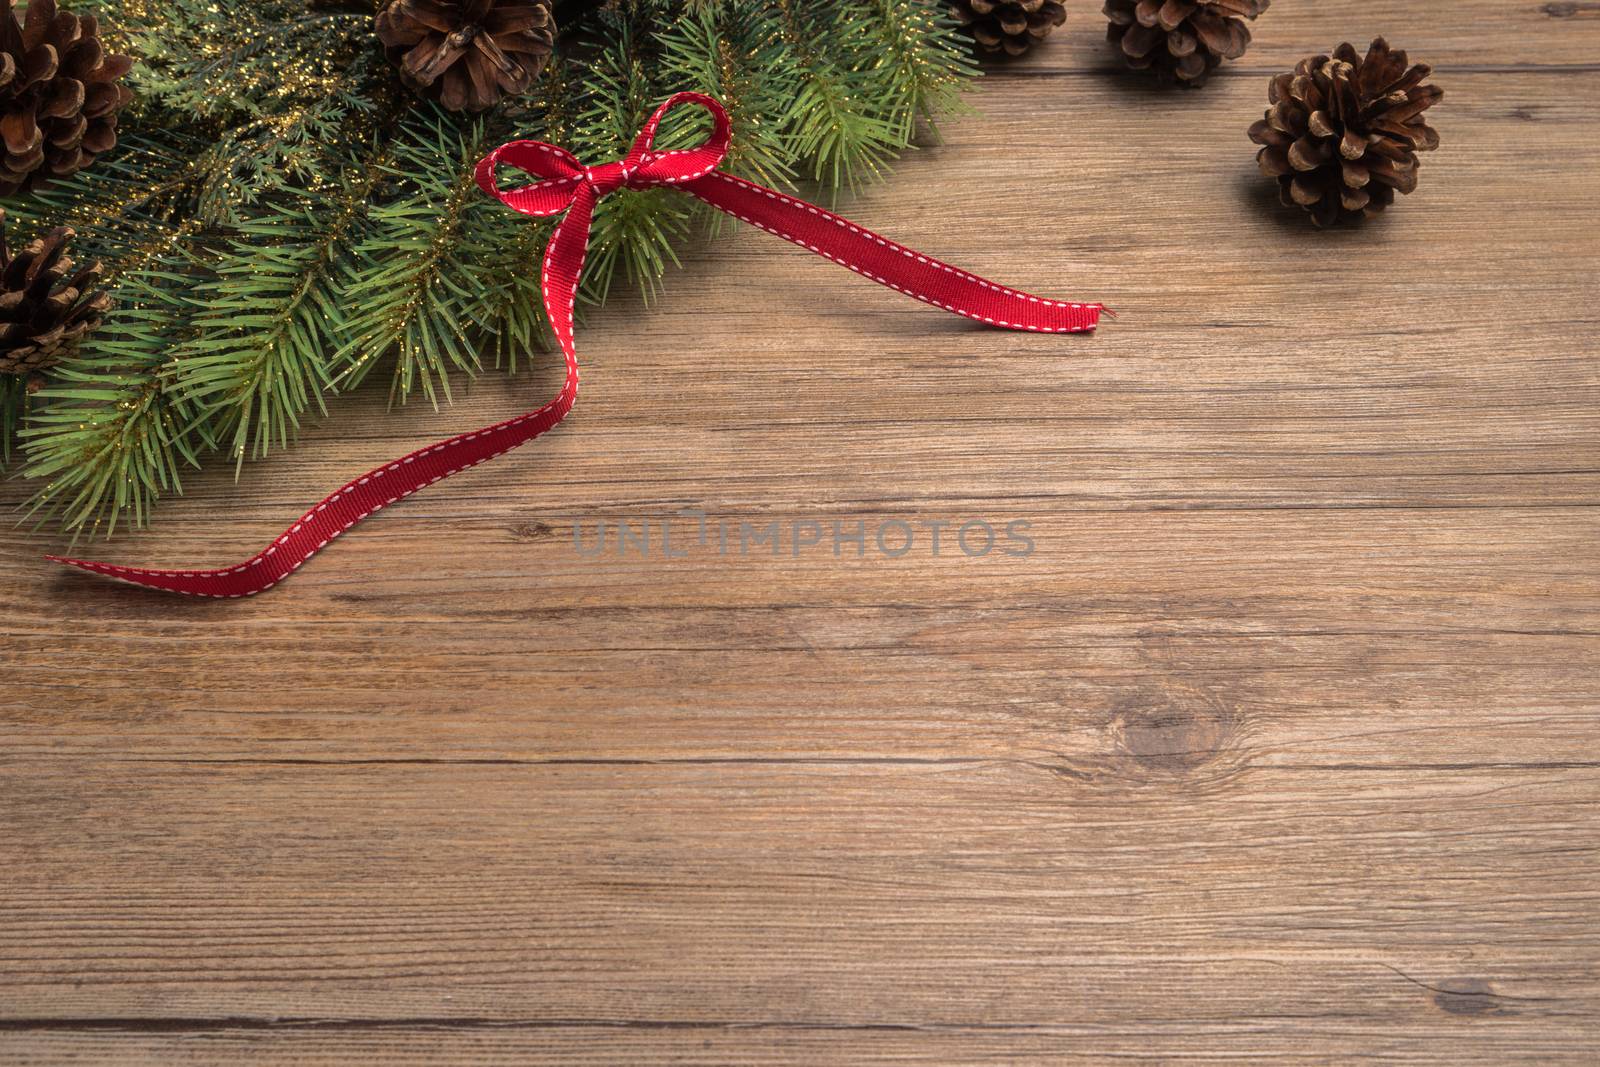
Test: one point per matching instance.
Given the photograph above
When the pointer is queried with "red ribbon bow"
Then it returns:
(569, 186)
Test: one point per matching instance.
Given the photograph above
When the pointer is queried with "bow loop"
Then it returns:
(560, 169)
(644, 167)
(652, 166)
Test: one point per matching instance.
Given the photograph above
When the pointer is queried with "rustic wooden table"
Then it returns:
(1281, 743)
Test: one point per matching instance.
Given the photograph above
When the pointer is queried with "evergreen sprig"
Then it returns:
(411, 280)
(109, 435)
(281, 218)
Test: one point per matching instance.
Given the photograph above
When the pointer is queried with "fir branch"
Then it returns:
(507, 312)
(919, 59)
(507, 249)
(407, 290)
(133, 197)
(838, 128)
(106, 435)
(278, 155)
(253, 267)
(272, 316)
(220, 59)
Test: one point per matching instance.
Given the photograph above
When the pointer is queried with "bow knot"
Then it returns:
(563, 176)
(607, 177)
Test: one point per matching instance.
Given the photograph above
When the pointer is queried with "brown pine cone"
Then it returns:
(1181, 40)
(1343, 133)
(1011, 26)
(59, 95)
(468, 54)
(42, 318)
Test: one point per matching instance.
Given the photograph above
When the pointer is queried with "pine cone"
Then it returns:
(468, 54)
(1012, 26)
(1343, 133)
(1181, 40)
(59, 95)
(41, 319)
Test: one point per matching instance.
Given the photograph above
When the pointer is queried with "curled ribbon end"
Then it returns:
(227, 583)
(102, 569)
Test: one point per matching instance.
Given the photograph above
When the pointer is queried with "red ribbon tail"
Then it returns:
(886, 262)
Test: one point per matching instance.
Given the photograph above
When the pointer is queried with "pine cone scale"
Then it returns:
(497, 60)
(65, 99)
(1182, 44)
(1141, 40)
(21, 133)
(1170, 15)
(513, 19)
(430, 58)
(1229, 38)
(431, 15)
(39, 65)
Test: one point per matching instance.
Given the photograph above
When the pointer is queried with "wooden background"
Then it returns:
(1283, 744)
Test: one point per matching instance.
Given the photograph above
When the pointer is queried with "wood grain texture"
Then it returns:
(1280, 746)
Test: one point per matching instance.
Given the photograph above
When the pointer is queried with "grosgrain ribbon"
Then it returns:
(569, 186)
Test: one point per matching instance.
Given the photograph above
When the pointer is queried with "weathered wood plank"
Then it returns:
(1237, 904)
(1279, 745)
(1353, 631)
